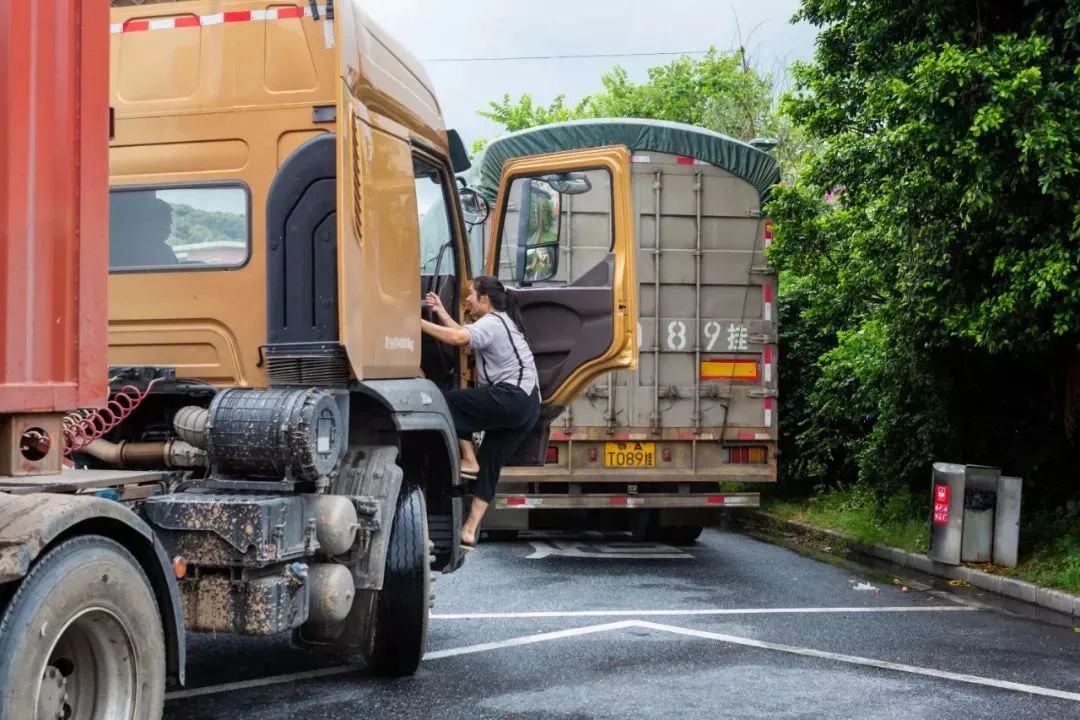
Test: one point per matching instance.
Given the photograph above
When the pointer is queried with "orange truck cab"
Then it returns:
(276, 454)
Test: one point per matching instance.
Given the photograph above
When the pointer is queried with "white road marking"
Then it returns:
(609, 551)
(262, 682)
(675, 630)
(867, 662)
(530, 639)
(357, 667)
(539, 614)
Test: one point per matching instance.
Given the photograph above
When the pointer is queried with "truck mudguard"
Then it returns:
(417, 405)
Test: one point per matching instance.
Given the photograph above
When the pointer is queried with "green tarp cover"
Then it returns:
(738, 158)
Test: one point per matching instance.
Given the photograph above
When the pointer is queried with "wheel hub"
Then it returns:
(91, 673)
(53, 699)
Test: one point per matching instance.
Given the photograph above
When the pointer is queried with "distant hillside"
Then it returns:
(194, 226)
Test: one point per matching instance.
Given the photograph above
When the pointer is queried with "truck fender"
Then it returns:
(30, 524)
(417, 405)
(417, 410)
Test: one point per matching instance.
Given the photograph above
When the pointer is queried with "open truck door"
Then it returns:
(581, 322)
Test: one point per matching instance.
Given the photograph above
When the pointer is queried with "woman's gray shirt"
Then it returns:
(502, 354)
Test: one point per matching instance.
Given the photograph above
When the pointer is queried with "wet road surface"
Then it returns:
(594, 626)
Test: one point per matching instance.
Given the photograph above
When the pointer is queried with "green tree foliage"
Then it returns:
(526, 113)
(719, 91)
(929, 254)
(191, 225)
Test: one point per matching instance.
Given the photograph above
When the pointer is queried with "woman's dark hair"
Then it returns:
(501, 299)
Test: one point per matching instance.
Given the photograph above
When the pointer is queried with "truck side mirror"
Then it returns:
(474, 207)
(541, 263)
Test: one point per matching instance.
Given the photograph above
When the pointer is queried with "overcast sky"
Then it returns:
(440, 29)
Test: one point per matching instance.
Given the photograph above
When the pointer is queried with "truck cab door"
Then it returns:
(580, 307)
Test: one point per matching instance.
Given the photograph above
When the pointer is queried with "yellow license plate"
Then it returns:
(630, 454)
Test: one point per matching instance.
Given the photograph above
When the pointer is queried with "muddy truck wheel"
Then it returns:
(401, 615)
(81, 638)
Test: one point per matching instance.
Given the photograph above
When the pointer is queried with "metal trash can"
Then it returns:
(947, 513)
(1007, 521)
(980, 497)
(975, 515)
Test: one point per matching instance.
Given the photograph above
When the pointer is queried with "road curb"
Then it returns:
(1056, 600)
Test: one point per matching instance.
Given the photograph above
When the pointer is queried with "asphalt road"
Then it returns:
(581, 627)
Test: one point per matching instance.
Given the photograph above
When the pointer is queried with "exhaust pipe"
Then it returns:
(146, 455)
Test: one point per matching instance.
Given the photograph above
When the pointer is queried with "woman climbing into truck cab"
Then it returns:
(506, 403)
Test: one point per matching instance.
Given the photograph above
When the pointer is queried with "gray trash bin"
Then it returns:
(974, 515)
(1007, 521)
(980, 498)
(947, 512)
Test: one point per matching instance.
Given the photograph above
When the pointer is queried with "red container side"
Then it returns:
(54, 133)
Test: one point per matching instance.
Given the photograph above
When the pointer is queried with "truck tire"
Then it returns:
(401, 613)
(686, 535)
(644, 525)
(81, 638)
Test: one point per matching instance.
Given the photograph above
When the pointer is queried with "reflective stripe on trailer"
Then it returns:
(679, 160)
(599, 502)
(290, 12)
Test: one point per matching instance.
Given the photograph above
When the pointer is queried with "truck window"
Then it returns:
(434, 218)
(438, 262)
(477, 248)
(178, 228)
(567, 228)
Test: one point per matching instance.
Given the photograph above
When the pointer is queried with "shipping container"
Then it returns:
(701, 408)
(54, 74)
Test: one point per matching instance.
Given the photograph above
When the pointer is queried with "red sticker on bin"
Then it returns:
(941, 504)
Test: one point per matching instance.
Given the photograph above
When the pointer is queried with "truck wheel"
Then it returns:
(687, 535)
(81, 638)
(401, 615)
(644, 525)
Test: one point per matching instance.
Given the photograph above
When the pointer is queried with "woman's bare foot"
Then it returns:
(471, 528)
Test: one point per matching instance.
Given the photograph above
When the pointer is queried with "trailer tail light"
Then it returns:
(552, 457)
(666, 454)
(768, 232)
(746, 455)
(515, 501)
(594, 455)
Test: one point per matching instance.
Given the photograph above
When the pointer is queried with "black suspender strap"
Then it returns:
(513, 346)
(483, 368)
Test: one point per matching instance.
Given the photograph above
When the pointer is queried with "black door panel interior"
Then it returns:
(568, 325)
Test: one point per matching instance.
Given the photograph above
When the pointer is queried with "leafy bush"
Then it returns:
(929, 254)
